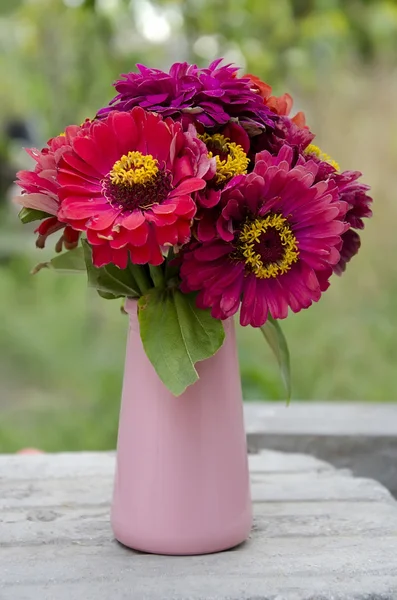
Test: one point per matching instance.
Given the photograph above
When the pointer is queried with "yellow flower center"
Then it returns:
(230, 157)
(134, 168)
(268, 246)
(312, 149)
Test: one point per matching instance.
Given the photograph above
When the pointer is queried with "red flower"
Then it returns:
(281, 105)
(40, 187)
(128, 183)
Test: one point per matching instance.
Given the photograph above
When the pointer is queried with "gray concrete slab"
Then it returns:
(322, 418)
(354, 435)
(319, 534)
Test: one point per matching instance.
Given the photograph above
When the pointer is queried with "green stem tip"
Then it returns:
(142, 280)
(157, 275)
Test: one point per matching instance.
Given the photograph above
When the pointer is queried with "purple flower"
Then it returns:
(352, 192)
(278, 239)
(284, 131)
(355, 195)
(211, 96)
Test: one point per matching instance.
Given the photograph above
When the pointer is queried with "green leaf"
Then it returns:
(203, 335)
(277, 342)
(110, 281)
(107, 295)
(176, 334)
(27, 215)
(71, 261)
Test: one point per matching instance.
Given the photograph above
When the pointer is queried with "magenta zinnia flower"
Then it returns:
(279, 243)
(128, 183)
(40, 188)
(350, 191)
(213, 95)
(355, 195)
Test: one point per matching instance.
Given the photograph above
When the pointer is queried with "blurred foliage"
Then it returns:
(61, 347)
(58, 58)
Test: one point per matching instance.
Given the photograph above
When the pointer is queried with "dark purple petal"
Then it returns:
(216, 92)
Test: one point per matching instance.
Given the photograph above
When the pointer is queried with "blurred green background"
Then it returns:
(61, 347)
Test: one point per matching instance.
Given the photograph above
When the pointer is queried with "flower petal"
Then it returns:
(188, 186)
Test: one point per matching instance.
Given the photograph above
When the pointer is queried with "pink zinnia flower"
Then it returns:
(229, 147)
(128, 183)
(40, 188)
(277, 245)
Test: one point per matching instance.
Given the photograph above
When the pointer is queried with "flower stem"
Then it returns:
(143, 281)
(157, 275)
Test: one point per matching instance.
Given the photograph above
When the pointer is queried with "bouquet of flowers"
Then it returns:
(197, 193)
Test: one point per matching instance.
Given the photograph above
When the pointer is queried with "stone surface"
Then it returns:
(322, 418)
(358, 436)
(319, 534)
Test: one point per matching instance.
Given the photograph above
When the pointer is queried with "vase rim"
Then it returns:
(130, 305)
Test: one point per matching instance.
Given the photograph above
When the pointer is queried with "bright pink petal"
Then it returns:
(97, 239)
(88, 151)
(188, 186)
(78, 165)
(106, 141)
(131, 221)
(210, 252)
(101, 255)
(140, 255)
(76, 187)
(161, 219)
(167, 235)
(79, 208)
(120, 258)
(103, 220)
(185, 206)
(166, 208)
(276, 299)
(135, 237)
(159, 144)
(182, 168)
(248, 302)
(184, 231)
(125, 131)
(156, 257)
(209, 197)
(231, 296)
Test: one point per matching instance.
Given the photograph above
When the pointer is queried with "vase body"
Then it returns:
(182, 481)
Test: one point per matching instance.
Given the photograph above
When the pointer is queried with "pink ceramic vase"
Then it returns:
(182, 481)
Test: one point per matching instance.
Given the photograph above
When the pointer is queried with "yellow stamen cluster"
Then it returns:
(251, 235)
(312, 149)
(236, 162)
(134, 168)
